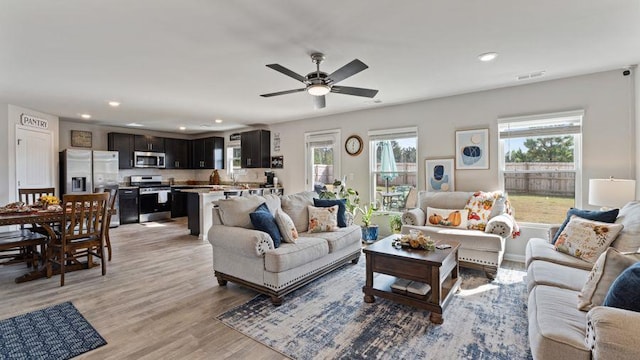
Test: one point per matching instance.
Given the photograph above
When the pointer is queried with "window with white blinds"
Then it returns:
(393, 166)
(540, 164)
(322, 159)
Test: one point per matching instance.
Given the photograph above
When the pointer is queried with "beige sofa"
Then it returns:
(483, 250)
(557, 328)
(248, 257)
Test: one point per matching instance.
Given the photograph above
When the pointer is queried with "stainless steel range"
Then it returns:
(155, 197)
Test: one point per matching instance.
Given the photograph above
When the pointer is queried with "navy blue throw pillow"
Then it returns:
(624, 293)
(342, 208)
(595, 215)
(262, 220)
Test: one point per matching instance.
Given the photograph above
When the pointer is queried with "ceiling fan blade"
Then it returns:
(283, 92)
(319, 102)
(350, 69)
(348, 90)
(281, 69)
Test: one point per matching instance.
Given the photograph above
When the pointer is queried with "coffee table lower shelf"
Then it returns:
(382, 288)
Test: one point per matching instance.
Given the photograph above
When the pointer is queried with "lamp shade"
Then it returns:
(611, 192)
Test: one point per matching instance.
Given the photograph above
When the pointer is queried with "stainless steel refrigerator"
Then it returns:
(85, 171)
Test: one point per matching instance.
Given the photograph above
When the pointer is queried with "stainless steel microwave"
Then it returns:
(143, 159)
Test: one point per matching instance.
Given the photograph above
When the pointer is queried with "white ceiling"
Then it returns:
(188, 62)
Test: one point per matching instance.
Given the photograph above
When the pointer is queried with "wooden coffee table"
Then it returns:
(438, 268)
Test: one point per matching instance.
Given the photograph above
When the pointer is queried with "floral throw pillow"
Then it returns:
(323, 219)
(286, 226)
(479, 207)
(586, 239)
(447, 217)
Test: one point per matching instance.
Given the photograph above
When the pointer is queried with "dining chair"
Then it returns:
(30, 196)
(83, 231)
(111, 205)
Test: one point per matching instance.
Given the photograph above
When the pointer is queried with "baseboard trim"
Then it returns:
(514, 257)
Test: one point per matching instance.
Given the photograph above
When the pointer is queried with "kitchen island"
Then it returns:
(200, 203)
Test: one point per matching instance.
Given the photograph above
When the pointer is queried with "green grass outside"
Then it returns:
(540, 209)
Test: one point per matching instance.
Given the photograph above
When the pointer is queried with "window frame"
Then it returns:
(557, 117)
(388, 134)
(330, 135)
(230, 147)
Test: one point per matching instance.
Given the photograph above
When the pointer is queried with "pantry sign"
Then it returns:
(32, 121)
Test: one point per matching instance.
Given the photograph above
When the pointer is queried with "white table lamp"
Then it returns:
(613, 193)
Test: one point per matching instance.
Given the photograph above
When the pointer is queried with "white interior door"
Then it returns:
(34, 158)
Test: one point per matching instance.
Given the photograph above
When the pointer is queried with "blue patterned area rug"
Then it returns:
(56, 332)
(328, 319)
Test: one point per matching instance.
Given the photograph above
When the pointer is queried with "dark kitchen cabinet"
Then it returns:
(207, 153)
(148, 143)
(176, 153)
(256, 149)
(179, 201)
(129, 211)
(123, 144)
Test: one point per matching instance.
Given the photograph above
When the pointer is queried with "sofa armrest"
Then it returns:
(553, 229)
(612, 333)
(414, 217)
(248, 242)
(502, 225)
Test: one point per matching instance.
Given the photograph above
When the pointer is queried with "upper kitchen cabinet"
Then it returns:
(256, 149)
(148, 143)
(123, 144)
(176, 153)
(208, 153)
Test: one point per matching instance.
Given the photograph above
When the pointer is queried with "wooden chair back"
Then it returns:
(85, 216)
(31, 196)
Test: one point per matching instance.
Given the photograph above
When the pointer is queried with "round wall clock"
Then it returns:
(353, 145)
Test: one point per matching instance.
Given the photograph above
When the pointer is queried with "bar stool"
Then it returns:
(256, 191)
(232, 193)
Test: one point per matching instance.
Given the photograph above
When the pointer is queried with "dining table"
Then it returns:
(47, 220)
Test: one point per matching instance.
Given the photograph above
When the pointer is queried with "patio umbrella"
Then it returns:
(388, 167)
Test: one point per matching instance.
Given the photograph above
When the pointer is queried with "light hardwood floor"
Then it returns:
(159, 299)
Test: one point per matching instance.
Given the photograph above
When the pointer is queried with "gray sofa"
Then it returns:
(248, 257)
(482, 250)
(557, 328)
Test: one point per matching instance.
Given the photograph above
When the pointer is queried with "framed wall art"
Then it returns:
(472, 149)
(440, 175)
(277, 162)
(81, 139)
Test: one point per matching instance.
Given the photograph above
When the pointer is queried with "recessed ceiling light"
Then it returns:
(134, 124)
(488, 56)
(182, 128)
(218, 121)
(114, 103)
(85, 116)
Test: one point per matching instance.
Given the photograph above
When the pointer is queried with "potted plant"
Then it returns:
(395, 223)
(369, 230)
(352, 199)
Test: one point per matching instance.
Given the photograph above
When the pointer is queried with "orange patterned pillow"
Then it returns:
(479, 207)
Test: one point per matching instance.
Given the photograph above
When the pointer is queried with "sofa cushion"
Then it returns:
(262, 220)
(606, 269)
(603, 216)
(442, 200)
(323, 219)
(551, 274)
(557, 329)
(625, 290)
(629, 239)
(500, 205)
(447, 217)
(235, 211)
(289, 256)
(339, 239)
(342, 208)
(479, 206)
(469, 239)
(541, 249)
(286, 226)
(586, 239)
(295, 205)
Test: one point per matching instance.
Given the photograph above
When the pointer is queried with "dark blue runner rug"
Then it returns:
(56, 332)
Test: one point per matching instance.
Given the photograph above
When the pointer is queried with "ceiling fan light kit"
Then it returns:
(319, 84)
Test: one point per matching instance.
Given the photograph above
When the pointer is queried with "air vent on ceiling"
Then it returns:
(532, 75)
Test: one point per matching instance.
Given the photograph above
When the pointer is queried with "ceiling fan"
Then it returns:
(319, 83)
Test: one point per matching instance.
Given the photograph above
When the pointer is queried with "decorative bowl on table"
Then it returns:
(415, 241)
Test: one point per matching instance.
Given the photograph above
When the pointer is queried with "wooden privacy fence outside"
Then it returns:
(558, 182)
